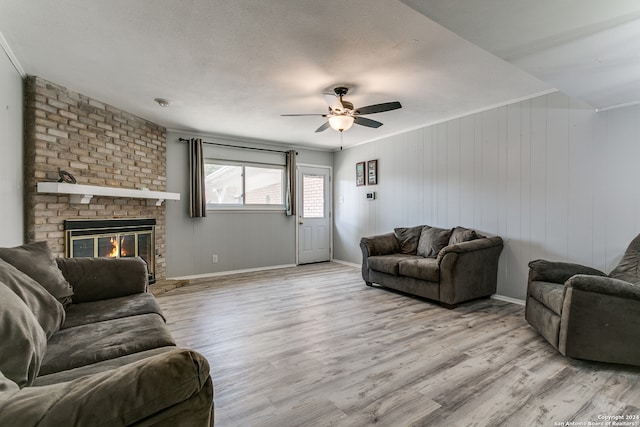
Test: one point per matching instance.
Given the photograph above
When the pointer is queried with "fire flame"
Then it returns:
(114, 248)
(123, 251)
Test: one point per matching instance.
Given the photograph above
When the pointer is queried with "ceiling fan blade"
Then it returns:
(333, 102)
(363, 121)
(379, 108)
(298, 115)
(324, 127)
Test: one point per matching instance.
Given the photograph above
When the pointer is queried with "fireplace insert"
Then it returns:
(112, 238)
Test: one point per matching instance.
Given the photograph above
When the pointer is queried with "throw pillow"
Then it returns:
(432, 240)
(461, 234)
(628, 269)
(48, 311)
(24, 342)
(408, 238)
(38, 262)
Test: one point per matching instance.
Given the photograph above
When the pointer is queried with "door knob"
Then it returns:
(300, 222)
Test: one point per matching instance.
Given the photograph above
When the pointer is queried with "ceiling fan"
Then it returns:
(342, 115)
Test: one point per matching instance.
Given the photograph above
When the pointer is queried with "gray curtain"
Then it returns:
(290, 195)
(197, 197)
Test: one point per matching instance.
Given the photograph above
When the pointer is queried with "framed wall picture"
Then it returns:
(372, 172)
(360, 174)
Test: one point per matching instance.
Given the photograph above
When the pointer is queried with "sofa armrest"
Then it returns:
(606, 286)
(383, 244)
(470, 246)
(96, 279)
(558, 272)
(600, 320)
(469, 270)
(122, 396)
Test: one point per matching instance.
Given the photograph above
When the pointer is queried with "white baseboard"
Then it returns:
(350, 264)
(508, 299)
(227, 273)
(277, 267)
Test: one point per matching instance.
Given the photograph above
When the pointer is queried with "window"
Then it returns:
(313, 196)
(245, 186)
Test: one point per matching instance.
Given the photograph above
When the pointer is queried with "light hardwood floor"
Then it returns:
(314, 346)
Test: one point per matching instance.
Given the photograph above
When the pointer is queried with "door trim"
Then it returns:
(299, 208)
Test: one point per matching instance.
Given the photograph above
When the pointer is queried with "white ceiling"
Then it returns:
(589, 49)
(232, 67)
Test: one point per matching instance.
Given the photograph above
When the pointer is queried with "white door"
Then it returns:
(314, 214)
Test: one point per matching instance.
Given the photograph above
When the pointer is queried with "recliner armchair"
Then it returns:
(585, 313)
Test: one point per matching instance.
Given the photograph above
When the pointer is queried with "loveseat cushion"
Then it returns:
(38, 262)
(432, 240)
(408, 238)
(23, 342)
(551, 295)
(420, 268)
(112, 308)
(82, 345)
(48, 311)
(389, 264)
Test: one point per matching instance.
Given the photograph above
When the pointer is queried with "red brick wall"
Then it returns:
(100, 145)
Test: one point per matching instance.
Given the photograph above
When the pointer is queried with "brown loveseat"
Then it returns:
(585, 313)
(82, 343)
(445, 265)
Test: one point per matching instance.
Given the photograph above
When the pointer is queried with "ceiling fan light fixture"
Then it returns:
(341, 122)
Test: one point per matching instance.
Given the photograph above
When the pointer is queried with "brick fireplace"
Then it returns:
(99, 145)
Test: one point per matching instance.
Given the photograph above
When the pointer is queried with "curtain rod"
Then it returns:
(237, 146)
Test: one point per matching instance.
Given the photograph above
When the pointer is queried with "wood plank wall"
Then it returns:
(550, 175)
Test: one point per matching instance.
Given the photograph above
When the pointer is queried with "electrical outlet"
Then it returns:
(214, 258)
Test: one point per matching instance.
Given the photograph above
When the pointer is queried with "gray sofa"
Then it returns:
(585, 313)
(445, 265)
(82, 343)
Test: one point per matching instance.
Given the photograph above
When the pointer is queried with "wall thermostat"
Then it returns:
(371, 196)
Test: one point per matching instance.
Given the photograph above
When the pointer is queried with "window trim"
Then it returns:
(244, 207)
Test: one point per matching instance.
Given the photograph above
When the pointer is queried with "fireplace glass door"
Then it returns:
(112, 239)
(112, 245)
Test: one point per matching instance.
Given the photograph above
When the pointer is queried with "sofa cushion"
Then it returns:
(94, 368)
(6, 385)
(408, 238)
(112, 308)
(48, 311)
(82, 345)
(432, 240)
(38, 262)
(461, 234)
(421, 268)
(23, 342)
(551, 295)
(388, 263)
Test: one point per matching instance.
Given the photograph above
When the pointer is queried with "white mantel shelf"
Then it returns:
(84, 193)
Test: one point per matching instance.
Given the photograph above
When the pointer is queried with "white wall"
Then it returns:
(11, 131)
(242, 240)
(554, 178)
